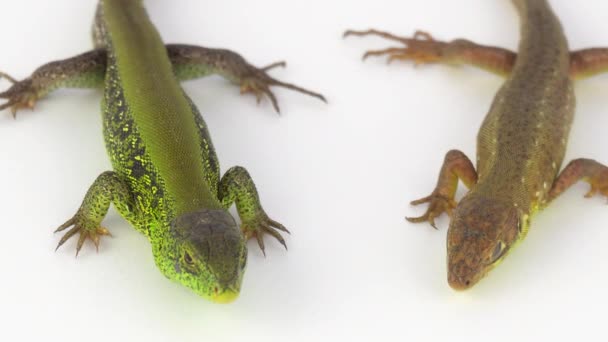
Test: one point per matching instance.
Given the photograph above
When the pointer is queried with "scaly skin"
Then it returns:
(166, 178)
(521, 143)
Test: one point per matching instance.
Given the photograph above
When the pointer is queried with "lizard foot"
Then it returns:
(261, 225)
(257, 82)
(598, 182)
(19, 96)
(438, 204)
(422, 48)
(86, 229)
(587, 170)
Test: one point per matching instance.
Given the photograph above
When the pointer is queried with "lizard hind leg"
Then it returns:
(86, 70)
(589, 62)
(421, 48)
(19, 96)
(190, 62)
(8, 77)
(587, 170)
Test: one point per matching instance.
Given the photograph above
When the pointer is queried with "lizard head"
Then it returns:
(482, 231)
(210, 255)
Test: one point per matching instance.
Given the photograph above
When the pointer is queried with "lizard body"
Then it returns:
(166, 178)
(521, 142)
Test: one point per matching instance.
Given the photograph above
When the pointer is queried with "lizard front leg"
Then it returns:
(455, 166)
(237, 187)
(83, 71)
(191, 62)
(587, 170)
(107, 188)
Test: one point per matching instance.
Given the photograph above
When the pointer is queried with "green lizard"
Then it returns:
(166, 179)
(521, 143)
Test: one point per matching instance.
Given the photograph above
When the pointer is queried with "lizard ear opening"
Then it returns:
(523, 225)
(188, 259)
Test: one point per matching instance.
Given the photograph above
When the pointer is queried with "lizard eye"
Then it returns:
(499, 250)
(188, 259)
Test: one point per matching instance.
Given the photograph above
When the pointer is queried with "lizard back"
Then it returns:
(156, 136)
(522, 141)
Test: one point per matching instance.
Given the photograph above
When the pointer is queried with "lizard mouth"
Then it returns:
(461, 278)
(224, 296)
(459, 284)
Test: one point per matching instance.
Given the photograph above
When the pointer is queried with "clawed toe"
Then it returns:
(8, 77)
(77, 228)
(258, 83)
(271, 230)
(263, 227)
(421, 48)
(281, 64)
(373, 32)
(20, 95)
(438, 205)
(427, 217)
(259, 90)
(423, 35)
(595, 190)
(390, 52)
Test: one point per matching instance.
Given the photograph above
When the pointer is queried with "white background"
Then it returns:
(340, 176)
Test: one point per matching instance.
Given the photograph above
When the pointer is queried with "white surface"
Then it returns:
(340, 176)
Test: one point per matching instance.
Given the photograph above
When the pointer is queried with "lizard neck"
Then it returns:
(164, 248)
